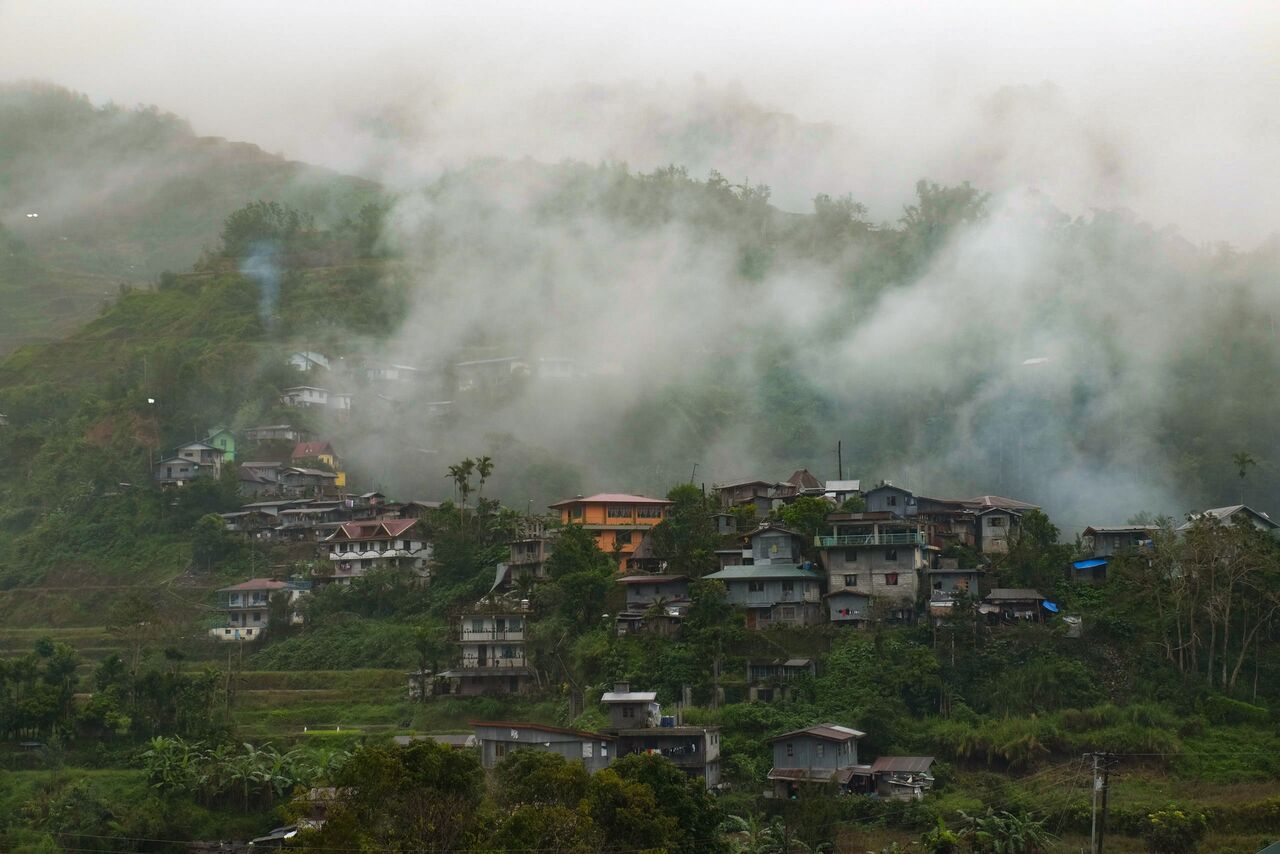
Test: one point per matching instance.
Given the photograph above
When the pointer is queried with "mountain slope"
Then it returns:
(121, 195)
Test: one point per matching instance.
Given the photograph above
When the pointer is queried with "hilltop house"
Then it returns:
(224, 440)
(314, 396)
(826, 754)
(616, 520)
(655, 604)
(203, 454)
(636, 721)
(1228, 516)
(874, 555)
(323, 452)
(777, 594)
(499, 738)
(492, 655)
(247, 607)
(772, 544)
(358, 547)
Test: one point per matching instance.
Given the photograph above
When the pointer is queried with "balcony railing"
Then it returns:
(474, 661)
(894, 538)
(491, 635)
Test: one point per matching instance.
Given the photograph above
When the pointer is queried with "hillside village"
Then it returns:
(797, 554)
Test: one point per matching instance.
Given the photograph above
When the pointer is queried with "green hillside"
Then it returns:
(122, 194)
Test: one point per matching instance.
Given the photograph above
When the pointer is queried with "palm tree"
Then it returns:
(1243, 460)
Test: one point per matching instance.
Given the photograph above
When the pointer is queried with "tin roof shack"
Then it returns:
(1013, 604)
(877, 555)
(779, 594)
(498, 738)
(998, 519)
(655, 604)
(636, 719)
(492, 652)
(848, 607)
(820, 755)
(775, 680)
(902, 777)
(1228, 515)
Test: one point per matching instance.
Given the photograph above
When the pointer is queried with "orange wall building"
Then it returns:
(618, 521)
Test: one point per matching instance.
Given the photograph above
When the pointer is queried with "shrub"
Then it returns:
(1174, 831)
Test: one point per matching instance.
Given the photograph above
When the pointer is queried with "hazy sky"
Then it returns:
(1170, 108)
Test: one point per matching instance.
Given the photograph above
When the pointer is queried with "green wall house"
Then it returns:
(225, 441)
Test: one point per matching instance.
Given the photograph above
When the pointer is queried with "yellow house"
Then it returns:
(617, 520)
(323, 452)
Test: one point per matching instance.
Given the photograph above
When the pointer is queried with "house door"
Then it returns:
(513, 684)
(751, 618)
(482, 655)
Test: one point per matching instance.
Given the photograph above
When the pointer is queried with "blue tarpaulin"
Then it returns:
(1051, 607)
(1091, 563)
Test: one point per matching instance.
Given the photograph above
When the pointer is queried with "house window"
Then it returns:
(791, 749)
(477, 625)
(788, 613)
(788, 588)
(891, 501)
(575, 511)
(649, 512)
(628, 711)
(995, 522)
(850, 555)
(499, 749)
(620, 511)
(822, 748)
(851, 581)
(587, 749)
(508, 652)
(755, 586)
(891, 578)
(891, 555)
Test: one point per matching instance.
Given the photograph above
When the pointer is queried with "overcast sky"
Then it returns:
(1170, 108)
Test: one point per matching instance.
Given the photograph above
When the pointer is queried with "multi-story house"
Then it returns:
(491, 638)
(774, 680)
(760, 495)
(876, 555)
(636, 721)
(359, 547)
(618, 521)
(178, 471)
(998, 521)
(247, 607)
(949, 582)
(224, 440)
(204, 455)
(655, 604)
(301, 482)
(820, 755)
(772, 595)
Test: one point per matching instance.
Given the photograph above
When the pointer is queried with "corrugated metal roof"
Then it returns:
(902, 764)
(652, 579)
(1011, 593)
(610, 498)
(777, 570)
(830, 732)
(543, 728)
(629, 697)
(812, 775)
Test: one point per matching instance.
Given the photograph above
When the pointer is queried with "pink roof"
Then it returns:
(372, 530)
(258, 584)
(611, 498)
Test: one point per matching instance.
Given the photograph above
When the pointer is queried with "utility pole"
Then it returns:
(1101, 782)
(839, 459)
